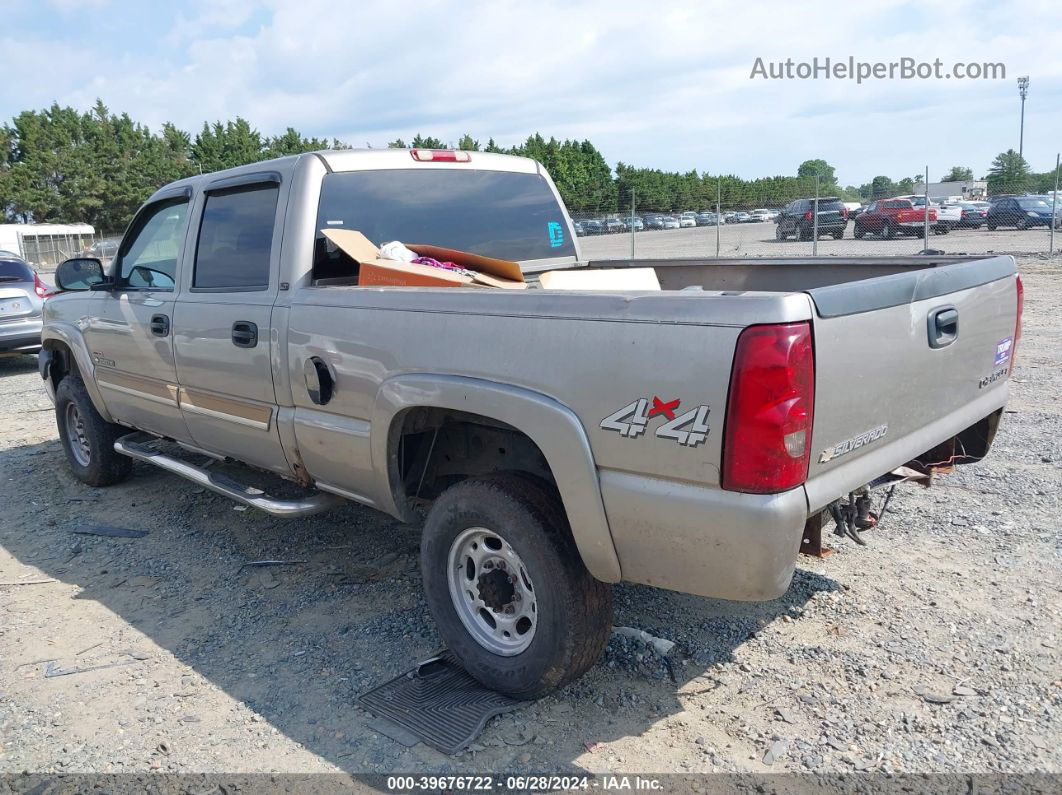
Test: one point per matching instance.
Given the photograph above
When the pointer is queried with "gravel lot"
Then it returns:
(935, 649)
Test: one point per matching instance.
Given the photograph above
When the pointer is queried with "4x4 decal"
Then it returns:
(689, 429)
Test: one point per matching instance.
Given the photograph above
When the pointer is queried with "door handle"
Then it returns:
(160, 325)
(943, 326)
(244, 334)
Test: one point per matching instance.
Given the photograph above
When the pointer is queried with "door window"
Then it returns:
(236, 239)
(148, 257)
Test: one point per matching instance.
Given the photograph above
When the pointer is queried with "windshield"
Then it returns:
(493, 213)
(1033, 204)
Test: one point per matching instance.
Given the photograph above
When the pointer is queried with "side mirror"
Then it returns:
(79, 274)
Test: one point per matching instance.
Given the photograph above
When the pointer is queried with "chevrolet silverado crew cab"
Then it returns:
(551, 441)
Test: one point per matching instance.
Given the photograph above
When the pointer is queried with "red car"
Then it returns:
(891, 217)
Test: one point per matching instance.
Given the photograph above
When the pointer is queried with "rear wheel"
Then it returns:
(991, 226)
(838, 235)
(88, 439)
(508, 589)
(779, 234)
(857, 232)
(888, 231)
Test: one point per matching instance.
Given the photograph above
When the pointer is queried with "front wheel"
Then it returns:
(508, 589)
(88, 439)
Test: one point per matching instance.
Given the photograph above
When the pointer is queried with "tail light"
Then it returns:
(844, 213)
(40, 288)
(440, 155)
(1017, 322)
(807, 215)
(767, 439)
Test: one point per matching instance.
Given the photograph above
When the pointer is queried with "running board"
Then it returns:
(135, 446)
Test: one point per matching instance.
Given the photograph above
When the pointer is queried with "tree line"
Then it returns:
(61, 165)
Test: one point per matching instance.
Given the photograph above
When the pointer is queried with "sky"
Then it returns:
(653, 85)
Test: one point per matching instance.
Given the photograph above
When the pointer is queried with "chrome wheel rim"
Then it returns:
(492, 592)
(76, 438)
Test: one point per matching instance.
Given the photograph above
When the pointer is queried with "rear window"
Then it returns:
(493, 213)
(826, 204)
(13, 270)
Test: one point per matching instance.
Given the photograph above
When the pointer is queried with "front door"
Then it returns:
(129, 331)
(222, 327)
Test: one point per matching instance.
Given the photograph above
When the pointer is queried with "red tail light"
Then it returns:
(1017, 322)
(440, 155)
(844, 213)
(40, 288)
(807, 215)
(767, 439)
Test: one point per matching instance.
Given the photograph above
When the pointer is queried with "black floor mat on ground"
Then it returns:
(438, 703)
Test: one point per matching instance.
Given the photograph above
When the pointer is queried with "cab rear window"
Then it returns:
(497, 214)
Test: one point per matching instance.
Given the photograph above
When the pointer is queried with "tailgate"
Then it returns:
(903, 363)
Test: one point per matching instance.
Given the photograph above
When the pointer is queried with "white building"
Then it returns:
(969, 190)
(46, 244)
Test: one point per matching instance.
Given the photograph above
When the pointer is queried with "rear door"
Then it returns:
(899, 359)
(830, 211)
(222, 327)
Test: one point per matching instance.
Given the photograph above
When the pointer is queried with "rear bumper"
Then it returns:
(21, 336)
(703, 540)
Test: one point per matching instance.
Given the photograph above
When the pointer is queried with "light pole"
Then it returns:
(1023, 90)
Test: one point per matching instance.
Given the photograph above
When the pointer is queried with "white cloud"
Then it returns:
(665, 85)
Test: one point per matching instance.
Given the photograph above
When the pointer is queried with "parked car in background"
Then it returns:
(729, 216)
(670, 222)
(949, 216)
(22, 295)
(891, 217)
(613, 225)
(688, 219)
(972, 214)
(593, 227)
(103, 249)
(1021, 212)
(633, 223)
(653, 221)
(797, 219)
(760, 216)
(741, 217)
(580, 231)
(707, 219)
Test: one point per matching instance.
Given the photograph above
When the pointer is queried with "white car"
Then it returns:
(688, 219)
(671, 222)
(761, 215)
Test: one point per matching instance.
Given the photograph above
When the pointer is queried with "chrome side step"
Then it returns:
(135, 446)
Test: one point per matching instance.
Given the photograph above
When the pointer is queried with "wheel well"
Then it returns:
(431, 449)
(62, 362)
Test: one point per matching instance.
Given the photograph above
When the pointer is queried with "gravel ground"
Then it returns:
(935, 649)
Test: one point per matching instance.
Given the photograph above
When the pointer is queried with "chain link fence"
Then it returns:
(805, 217)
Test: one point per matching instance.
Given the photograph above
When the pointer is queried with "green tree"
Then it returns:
(811, 168)
(426, 142)
(958, 174)
(398, 143)
(468, 144)
(1009, 174)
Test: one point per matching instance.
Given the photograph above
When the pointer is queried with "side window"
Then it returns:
(236, 239)
(149, 255)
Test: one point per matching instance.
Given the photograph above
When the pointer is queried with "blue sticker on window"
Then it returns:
(556, 234)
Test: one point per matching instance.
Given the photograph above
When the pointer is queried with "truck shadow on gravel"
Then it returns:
(16, 365)
(337, 611)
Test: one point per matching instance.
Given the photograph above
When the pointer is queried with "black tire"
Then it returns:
(574, 610)
(779, 234)
(838, 235)
(857, 232)
(888, 231)
(802, 232)
(89, 448)
(991, 226)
